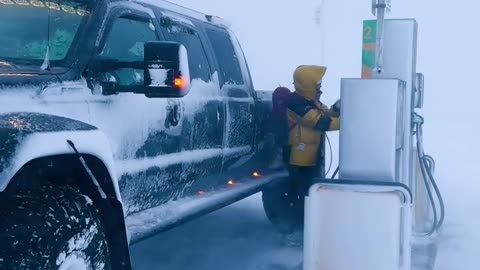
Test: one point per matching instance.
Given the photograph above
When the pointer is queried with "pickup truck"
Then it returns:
(119, 120)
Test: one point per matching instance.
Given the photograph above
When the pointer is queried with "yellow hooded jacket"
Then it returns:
(308, 119)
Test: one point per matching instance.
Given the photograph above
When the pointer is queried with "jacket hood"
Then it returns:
(305, 79)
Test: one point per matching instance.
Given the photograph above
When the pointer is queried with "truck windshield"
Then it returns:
(29, 27)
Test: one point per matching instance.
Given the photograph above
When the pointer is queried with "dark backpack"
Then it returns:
(280, 98)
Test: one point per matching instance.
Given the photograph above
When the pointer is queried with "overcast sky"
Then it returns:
(278, 35)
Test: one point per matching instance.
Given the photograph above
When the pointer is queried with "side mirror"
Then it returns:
(166, 72)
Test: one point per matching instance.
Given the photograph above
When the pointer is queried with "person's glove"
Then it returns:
(324, 108)
(336, 106)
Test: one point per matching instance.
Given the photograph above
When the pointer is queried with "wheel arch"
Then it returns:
(67, 170)
(34, 151)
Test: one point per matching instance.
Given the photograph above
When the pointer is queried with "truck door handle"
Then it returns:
(173, 116)
(251, 111)
(219, 112)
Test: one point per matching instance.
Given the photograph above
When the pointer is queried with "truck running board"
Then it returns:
(150, 222)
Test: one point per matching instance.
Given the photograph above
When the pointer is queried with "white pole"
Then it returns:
(379, 7)
(320, 22)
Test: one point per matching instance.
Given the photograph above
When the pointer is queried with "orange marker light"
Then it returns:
(201, 193)
(256, 174)
(179, 82)
(231, 182)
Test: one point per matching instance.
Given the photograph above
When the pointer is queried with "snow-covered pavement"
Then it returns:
(237, 237)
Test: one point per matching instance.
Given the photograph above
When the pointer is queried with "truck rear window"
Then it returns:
(230, 70)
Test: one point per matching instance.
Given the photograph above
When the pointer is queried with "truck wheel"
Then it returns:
(281, 209)
(51, 228)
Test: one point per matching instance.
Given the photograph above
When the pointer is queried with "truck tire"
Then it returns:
(51, 228)
(282, 211)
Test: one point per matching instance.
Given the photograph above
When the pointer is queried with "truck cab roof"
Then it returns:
(185, 11)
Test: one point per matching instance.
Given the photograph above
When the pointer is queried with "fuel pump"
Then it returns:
(385, 203)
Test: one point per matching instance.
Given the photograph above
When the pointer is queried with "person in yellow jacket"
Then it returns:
(308, 119)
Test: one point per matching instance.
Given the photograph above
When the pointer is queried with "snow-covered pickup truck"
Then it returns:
(119, 120)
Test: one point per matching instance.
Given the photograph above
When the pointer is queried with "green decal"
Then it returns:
(368, 59)
(368, 50)
(369, 32)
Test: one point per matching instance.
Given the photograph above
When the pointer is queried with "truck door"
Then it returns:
(203, 106)
(145, 132)
(238, 98)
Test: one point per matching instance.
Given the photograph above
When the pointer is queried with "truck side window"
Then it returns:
(198, 63)
(227, 58)
(125, 43)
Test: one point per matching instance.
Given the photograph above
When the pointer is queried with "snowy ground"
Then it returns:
(237, 237)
